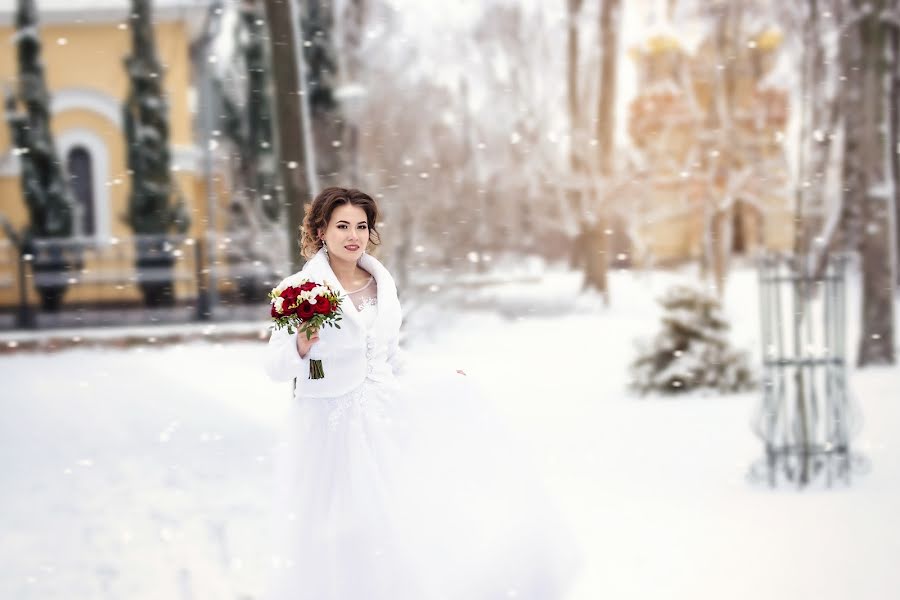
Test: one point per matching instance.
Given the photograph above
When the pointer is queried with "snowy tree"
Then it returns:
(692, 350)
(846, 166)
(256, 253)
(707, 126)
(739, 158)
(51, 208)
(309, 113)
(593, 169)
(726, 39)
(350, 20)
(155, 206)
(455, 127)
(506, 133)
(894, 124)
(295, 166)
(326, 119)
(597, 257)
(814, 28)
(422, 149)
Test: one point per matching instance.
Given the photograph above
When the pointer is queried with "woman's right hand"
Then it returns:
(303, 344)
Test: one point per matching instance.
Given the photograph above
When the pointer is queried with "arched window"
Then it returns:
(80, 171)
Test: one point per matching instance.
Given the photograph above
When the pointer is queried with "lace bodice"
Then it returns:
(365, 300)
(354, 403)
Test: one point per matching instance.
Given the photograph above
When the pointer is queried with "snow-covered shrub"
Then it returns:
(692, 350)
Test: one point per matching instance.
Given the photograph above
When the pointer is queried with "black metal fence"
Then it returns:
(807, 416)
(162, 279)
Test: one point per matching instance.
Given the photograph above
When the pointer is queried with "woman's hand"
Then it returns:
(303, 344)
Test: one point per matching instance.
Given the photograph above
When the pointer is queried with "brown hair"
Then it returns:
(319, 213)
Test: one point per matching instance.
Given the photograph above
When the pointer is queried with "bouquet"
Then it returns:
(306, 306)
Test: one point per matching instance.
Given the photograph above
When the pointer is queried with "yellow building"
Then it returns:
(702, 182)
(83, 50)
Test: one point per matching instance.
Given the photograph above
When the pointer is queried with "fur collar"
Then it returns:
(319, 268)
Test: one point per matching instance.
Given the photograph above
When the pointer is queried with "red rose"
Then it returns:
(307, 286)
(305, 310)
(290, 294)
(323, 306)
(288, 310)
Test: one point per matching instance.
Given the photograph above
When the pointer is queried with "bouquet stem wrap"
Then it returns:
(315, 369)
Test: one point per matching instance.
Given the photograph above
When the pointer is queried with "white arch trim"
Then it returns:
(75, 98)
(100, 166)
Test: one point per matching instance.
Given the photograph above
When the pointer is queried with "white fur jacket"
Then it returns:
(349, 354)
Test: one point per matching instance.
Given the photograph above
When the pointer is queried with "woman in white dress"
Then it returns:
(393, 485)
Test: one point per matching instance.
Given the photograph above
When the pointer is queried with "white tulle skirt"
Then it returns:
(411, 490)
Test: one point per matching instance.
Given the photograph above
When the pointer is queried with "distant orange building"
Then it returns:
(710, 168)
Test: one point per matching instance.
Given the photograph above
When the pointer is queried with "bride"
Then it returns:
(395, 485)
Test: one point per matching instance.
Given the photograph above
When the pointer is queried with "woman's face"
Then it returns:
(347, 233)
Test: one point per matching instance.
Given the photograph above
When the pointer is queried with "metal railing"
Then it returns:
(807, 416)
(84, 281)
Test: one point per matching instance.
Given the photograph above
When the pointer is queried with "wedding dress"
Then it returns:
(410, 489)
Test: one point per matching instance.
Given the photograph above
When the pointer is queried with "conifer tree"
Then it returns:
(692, 350)
(150, 207)
(51, 208)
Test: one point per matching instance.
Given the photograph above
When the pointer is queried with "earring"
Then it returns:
(325, 246)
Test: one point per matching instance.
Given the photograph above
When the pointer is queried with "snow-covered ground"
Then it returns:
(144, 473)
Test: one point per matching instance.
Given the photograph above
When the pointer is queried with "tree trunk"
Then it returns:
(591, 245)
(325, 115)
(721, 251)
(596, 240)
(289, 132)
(572, 84)
(610, 14)
(727, 34)
(810, 51)
(351, 69)
(868, 207)
(596, 258)
(894, 144)
(822, 236)
(581, 251)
